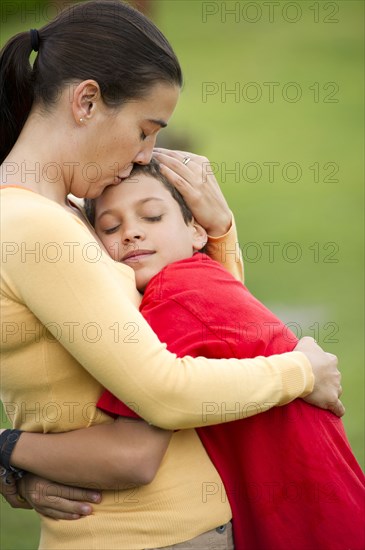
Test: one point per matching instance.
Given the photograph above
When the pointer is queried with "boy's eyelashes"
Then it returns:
(111, 230)
(150, 219)
(153, 218)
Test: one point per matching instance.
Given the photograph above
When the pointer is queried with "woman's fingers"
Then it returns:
(196, 182)
(337, 408)
(65, 510)
(10, 492)
(56, 500)
(327, 378)
(174, 153)
(188, 172)
(39, 487)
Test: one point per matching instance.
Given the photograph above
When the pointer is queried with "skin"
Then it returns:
(94, 146)
(135, 451)
(89, 133)
(138, 214)
(134, 214)
(141, 225)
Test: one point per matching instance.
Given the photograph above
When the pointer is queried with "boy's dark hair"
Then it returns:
(151, 169)
(104, 40)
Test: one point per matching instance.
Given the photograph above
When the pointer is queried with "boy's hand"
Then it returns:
(327, 378)
(55, 500)
(193, 177)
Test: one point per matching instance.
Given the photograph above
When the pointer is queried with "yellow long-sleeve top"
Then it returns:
(71, 326)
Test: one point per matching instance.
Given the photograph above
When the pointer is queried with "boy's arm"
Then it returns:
(125, 451)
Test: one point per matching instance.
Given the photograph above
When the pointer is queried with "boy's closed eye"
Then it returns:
(111, 230)
(150, 219)
(153, 218)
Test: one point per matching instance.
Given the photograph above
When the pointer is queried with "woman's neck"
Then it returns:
(36, 160)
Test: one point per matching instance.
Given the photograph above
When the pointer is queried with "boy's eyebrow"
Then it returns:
(159, 122)
(142, 201)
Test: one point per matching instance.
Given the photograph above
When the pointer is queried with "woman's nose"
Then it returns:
(145, 154)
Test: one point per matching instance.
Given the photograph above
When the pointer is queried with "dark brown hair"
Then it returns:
(151, 169)
(104, 40)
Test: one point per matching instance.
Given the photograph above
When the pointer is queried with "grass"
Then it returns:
(323, 290)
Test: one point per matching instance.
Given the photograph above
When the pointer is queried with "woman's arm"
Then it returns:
(170, 392)
(104, 456)
(66, 465)
(200, 189)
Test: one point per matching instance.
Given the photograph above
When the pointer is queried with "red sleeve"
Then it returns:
(183, 333)
(114, 407)
(197, 308)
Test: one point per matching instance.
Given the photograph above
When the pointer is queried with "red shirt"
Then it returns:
(289, 473)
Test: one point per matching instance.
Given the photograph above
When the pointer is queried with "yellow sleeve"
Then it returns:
(226, 250)
(65, 278)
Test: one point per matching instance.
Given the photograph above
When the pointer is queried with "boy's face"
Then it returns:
(141, 225)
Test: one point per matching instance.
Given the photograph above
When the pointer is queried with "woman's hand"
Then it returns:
(193, 176)
(327, 378)
(10, 492)
(55, 500)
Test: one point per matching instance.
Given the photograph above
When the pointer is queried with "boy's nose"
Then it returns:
(131, 235)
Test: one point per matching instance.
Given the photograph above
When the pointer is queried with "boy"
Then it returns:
(291, 478)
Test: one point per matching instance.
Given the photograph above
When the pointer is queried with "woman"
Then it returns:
(104, 82)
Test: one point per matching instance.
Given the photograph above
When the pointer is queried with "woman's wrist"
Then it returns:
(8, 441)
(221, 226)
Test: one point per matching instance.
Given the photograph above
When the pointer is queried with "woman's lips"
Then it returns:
(118, 178)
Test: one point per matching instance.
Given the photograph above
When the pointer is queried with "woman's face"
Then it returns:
(115, 139)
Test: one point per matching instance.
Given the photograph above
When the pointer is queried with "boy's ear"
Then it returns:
(200, 237)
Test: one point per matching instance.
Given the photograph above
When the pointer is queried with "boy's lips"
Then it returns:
(135, 255)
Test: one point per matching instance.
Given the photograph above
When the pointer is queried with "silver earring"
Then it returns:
(81, 120)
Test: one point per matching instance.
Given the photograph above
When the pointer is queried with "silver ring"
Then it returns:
(186, 160)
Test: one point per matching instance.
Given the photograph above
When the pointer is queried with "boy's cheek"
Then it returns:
(113, 248)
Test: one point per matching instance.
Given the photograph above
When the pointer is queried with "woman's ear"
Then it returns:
(200, 237)
(85, 98)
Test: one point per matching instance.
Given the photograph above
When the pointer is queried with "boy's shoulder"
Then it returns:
(198, 263)
(197, 275)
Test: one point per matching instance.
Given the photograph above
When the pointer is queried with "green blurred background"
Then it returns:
(288, 147)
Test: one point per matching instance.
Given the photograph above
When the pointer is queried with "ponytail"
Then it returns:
(105, 40)
(16, 90)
